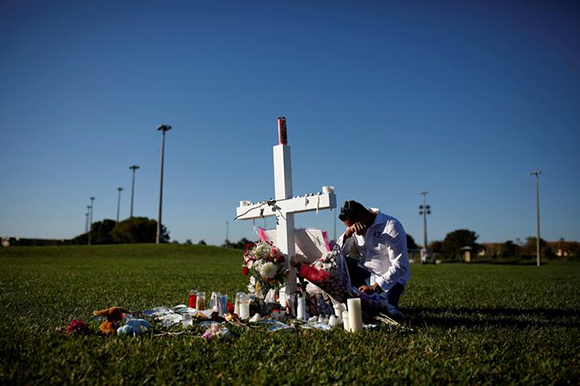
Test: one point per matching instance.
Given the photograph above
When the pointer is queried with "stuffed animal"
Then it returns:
(114, 315)
(134, 326)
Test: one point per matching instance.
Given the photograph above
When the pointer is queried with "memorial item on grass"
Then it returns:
(265, 265)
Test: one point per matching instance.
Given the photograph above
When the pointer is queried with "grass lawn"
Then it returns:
(473, 324)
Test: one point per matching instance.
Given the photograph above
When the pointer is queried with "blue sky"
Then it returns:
(384, 99)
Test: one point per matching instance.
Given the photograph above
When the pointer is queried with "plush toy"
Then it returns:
(114, 315)
(134, 326)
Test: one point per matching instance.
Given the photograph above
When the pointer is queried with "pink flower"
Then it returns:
(77, 327)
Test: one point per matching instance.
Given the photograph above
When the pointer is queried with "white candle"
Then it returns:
(301, 309)
(345, 322)
(291, 304)
(332, 321)
(244, 310)
(237, 307)
(244, 306)
(354, 315)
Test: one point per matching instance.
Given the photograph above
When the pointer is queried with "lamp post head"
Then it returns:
(134, 167)
(164, 128)
(119, 189)
(535, 173)
(92, 198)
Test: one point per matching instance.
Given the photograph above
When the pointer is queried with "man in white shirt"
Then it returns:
(380, 243)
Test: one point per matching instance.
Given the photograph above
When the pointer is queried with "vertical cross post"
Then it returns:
(284, 220)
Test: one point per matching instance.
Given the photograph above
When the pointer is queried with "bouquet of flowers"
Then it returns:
(330, 274)
(265, 265)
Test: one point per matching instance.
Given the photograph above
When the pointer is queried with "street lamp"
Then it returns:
(163, 129)
(119, 202)
(91, 218)
(537, 174)
(424, 210)
(87, 219)
(133, 168)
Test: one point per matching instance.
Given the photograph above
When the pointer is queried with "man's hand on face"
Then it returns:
(359, 228)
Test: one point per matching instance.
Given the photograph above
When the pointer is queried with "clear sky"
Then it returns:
(384, 99)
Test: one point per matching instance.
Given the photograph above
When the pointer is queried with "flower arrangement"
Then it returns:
(327, 261)
(329, 273)
(265, 265)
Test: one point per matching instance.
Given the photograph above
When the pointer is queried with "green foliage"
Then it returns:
(458, 239)
(510, 249)
(472, 324)
(138, 230)
(411, 244)
(529, 249)
(239, 245)
(100, 233)
(436, 246)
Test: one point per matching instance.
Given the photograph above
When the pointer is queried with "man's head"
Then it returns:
(353, 212)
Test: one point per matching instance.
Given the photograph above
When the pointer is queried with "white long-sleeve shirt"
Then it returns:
(383, 251)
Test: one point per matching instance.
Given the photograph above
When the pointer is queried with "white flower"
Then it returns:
(250, 264)
(268, 270)
(262, 250)
(252, 285)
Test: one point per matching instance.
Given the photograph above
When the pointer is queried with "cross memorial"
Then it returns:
(284, 205)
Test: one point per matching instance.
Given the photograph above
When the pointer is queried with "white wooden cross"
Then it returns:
(285, 205)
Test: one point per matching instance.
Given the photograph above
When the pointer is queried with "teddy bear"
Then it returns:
(113, 315)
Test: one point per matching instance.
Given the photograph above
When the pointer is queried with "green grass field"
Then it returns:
(492, 324)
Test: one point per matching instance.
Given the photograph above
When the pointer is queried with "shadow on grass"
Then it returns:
(503, 317)
(495, 262)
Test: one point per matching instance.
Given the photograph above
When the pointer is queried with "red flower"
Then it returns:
(77, 327)
(230, 307)
(245, 271)
(249, 246)
(314, 275)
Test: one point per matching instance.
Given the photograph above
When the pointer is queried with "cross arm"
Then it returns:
(306, 203)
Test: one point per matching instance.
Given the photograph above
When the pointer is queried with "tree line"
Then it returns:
(130, 231)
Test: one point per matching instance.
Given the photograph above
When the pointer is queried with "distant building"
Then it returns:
(20, 242)
(564, 249)
(489, 249)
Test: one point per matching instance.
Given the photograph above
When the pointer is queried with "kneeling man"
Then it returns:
(378, 243)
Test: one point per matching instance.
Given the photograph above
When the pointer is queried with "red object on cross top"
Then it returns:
(282, 132)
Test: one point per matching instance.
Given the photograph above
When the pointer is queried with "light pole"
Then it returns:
(537, 174)
(227, 231)
(87, 220)
(91, 218)
(163, 129)
(424, 210)
(119, 202)
(133, 168)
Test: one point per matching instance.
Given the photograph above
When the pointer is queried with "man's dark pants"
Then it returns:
(359, 277)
